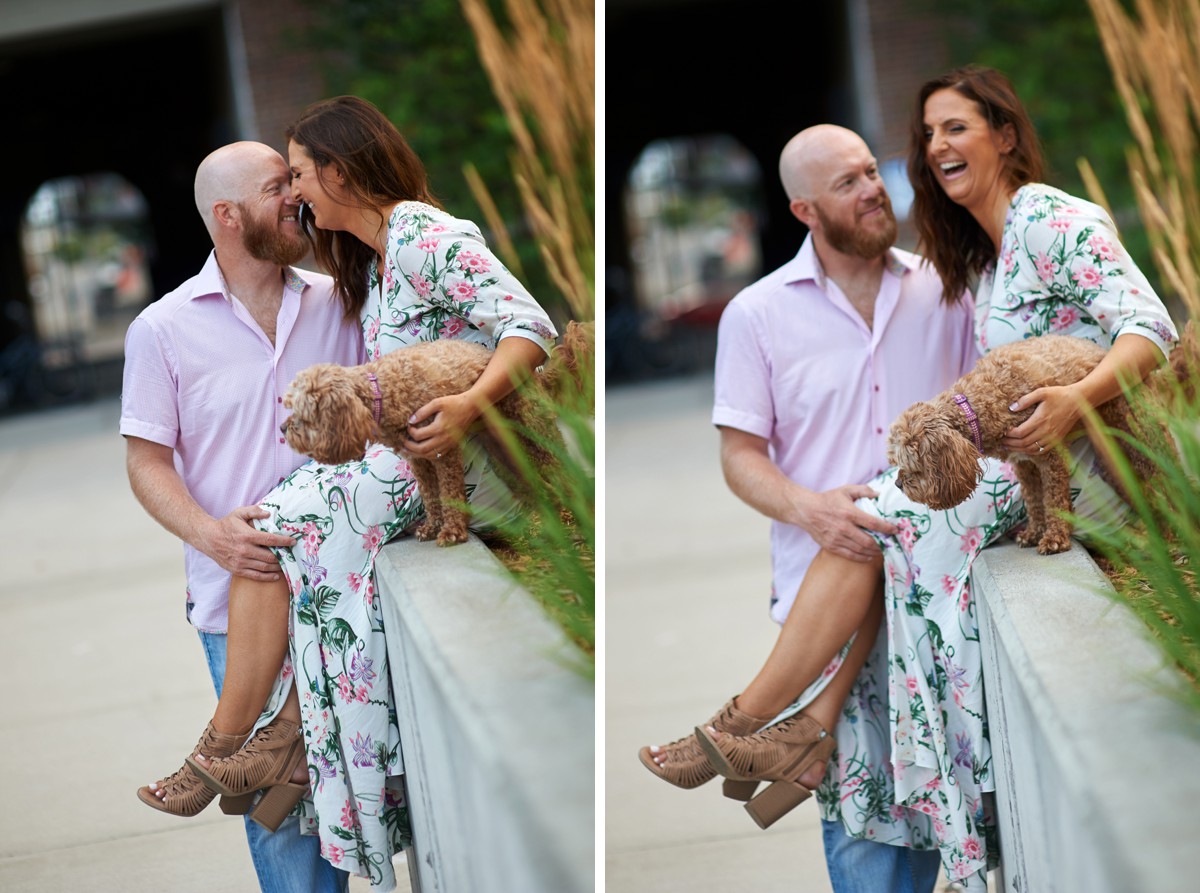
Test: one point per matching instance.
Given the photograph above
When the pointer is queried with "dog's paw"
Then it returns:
(450, 537)
(1030, 536)
(1053, 542)
(428, 531)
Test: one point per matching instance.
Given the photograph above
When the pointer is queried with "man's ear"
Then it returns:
(226, 213)
(804, 211)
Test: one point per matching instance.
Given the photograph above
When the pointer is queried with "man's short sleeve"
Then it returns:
(743, 374)
(149, 395)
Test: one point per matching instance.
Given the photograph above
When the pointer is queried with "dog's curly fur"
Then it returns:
(932, 446)
(332, 417)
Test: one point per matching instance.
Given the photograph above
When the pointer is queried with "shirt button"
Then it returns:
(280, 399)
(876, 389)
(282, 440)
(281, 479)
(878, 430)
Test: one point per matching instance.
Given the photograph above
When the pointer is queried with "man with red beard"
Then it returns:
(814, 361)
(206, 369)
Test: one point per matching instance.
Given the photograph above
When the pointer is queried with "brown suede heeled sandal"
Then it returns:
(687, 767)
(779, 754)
(186, 794)
(267, 760)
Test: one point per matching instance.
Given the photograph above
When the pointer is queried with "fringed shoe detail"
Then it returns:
(186, 794)
(685, 764)
(779, 754)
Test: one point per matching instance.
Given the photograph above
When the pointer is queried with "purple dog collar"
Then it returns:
(972, 420)
(378, 412)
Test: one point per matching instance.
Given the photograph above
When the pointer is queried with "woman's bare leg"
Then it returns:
(832, 603)
(255, 648)
(256, 644)
(790, 667)
(836, 598)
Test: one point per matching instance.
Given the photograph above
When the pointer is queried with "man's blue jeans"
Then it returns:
(285, 861)
(865, 866)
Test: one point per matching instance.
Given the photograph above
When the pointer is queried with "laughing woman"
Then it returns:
(1046, 262)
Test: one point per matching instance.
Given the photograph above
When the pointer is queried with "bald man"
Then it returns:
(206, 368)
(814, 361)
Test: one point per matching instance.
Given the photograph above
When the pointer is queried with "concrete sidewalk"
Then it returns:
(687, 578)
(108, 688)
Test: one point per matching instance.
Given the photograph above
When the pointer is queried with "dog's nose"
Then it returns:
(283, 427)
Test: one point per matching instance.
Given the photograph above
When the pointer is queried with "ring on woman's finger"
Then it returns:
(437, 455)
(1039, 446)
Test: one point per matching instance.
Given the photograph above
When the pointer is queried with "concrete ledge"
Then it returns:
(497, 730)
(1095, 763)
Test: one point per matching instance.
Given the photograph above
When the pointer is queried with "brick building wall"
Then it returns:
(282, 74)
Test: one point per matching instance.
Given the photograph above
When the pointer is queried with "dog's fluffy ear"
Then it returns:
(954, 471)
(938, 466)
(335, 422)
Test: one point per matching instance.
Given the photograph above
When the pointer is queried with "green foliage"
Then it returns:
(552, 544)
(417, 61)
(1154, 557)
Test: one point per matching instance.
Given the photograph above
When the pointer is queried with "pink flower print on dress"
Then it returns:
(428, 245)
(1088, 277)
(897, 812)
(311, 537)
(373, 538)
(472, 262)
(362, 695)
(949, 584)
(331, 853)
(345, 687)
(1010, 260)
(1044, 266)
(1059, 226)
(354, 580)
(1102, 248)
(907, 534)
(421, 284)
(972, 848)
(911, 684)
(462, 291)
(1065, 318)
(350, 819)
(372, 333)
(971, 540)
(451, 327)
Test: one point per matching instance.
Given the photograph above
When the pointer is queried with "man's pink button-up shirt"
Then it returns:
(798, 366)
(202, 378)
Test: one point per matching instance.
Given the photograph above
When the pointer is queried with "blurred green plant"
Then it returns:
(1155, 61)
(542, 69)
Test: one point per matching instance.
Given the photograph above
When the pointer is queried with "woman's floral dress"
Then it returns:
(919, 780)
(439, 281)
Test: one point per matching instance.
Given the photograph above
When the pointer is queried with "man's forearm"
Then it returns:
(759, 483)
(165, 497)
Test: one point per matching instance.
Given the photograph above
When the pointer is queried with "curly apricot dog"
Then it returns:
(937, 445)
(337, 410)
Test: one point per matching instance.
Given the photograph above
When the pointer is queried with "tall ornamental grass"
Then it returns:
(1153, 49)
(541, 64)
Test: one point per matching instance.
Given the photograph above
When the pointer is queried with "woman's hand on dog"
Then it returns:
(439, 425)
(242, 549)
(1056, 414)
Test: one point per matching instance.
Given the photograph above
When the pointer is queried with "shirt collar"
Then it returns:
(806, 266)
(211, 281)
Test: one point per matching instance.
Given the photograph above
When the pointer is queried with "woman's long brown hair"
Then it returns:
(947, 234)
(379, 167)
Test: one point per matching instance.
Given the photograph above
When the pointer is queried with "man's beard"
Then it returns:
(264, 241)
(854, 240)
